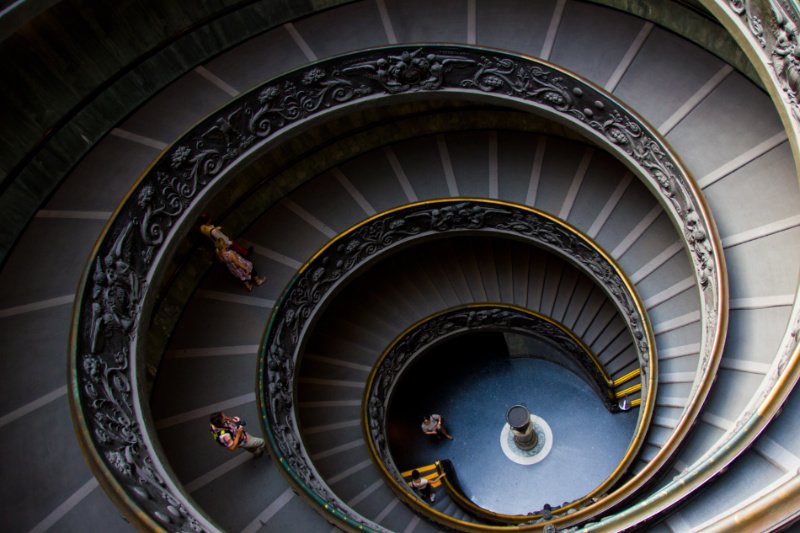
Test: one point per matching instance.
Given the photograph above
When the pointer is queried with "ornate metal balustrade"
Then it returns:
(768, 31)
(576, 355)
(356, 249)
(431, 331)
(117, 295)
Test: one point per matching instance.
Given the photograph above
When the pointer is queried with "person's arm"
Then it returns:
(234, 443)
(430, 432)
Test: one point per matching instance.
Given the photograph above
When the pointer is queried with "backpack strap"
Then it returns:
(216, 433)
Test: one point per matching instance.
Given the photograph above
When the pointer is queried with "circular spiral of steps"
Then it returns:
(724, 128)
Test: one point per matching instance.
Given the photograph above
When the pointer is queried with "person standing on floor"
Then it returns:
(240, 267)
(422, 486)
(229, 431)
(434, 425)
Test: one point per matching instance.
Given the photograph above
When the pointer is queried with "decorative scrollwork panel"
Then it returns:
(355, 249)
(106, 352)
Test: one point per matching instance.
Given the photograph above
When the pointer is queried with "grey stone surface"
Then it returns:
(742, 345)
(764, 191)
(561, 161)
(253, 486)
(297, 511)
(373, 177)
(765, 267)
(674, 337)
(330, 202)
(719, 129)
(469, 154)
(682, 303)
(312, 417)
(200, 325)
(194, 382)
(494, 29)
(748, 476)
(670, 67)
(632, 209)
(585, 46)
(103, 177)
(732, 392)
(47, 466)
(35, 346)
(515, 156)
(323, 33)
(602, 178)
(48, 260)
(97, 511)
(175, 109)
(298, 244)
(420, 161)
(676, 269)
(436, 22)
(257, 60)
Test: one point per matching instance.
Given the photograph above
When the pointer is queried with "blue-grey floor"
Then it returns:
(472, 383)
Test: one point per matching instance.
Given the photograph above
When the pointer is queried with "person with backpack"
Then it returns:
(230, 432)
(422, 487)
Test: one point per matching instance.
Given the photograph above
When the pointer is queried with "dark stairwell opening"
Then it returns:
(472, 380)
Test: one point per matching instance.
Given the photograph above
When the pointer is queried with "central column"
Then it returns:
(519, 418)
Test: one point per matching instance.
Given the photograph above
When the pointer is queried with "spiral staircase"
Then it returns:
(106, 98)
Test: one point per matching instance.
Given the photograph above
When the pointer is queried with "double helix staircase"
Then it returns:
(721, 124)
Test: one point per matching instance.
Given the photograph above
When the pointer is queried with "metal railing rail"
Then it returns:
(768, 31)
(116, 299)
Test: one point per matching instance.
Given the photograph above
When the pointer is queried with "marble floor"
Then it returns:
(472, 383)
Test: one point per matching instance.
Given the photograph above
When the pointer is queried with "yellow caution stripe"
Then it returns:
(428, 472)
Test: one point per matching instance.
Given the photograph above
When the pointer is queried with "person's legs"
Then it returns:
(442, 432)
(258, 280)
(427, 493)
(255, 445)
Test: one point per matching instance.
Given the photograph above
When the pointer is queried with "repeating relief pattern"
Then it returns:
(106, 352)
(774, 26)
(352, 251)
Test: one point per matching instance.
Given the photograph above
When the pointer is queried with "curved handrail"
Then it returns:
(114, 303)
(355, 249)
(769, 52)
(456, 493)
(436, 328)
(432, 330)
